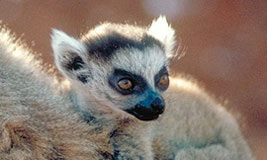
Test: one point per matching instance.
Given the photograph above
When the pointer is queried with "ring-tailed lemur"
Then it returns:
(114, 105)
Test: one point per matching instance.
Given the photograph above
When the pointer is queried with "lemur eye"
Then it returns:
(164, 80)
(125, 84)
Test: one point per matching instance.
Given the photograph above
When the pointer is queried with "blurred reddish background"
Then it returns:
(225, 40)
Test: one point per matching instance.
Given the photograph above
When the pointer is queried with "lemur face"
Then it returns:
(140, 76)
(121, 66)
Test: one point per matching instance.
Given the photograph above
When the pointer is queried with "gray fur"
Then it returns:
(84, 118)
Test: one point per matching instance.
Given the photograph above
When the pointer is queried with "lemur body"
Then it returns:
(37, 121)
(117, 76)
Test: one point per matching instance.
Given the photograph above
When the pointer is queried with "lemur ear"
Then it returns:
(70, 55)
(161, 30)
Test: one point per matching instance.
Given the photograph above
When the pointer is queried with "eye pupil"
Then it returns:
(125, 84)
(164, 80)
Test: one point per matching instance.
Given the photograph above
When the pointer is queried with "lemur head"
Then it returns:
(121, 66)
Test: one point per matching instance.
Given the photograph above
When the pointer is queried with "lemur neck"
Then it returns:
(91, 111)
(103, 116)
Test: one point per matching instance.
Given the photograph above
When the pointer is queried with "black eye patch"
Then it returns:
(139, 83)
(157, 77)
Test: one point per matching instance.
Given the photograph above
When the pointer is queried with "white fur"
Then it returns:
(61, 42)
(161, 30)
(64, 46)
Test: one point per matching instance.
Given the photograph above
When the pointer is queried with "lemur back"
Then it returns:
(37, 121)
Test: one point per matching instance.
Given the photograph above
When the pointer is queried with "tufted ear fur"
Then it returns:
(160, 30)
(70, 56)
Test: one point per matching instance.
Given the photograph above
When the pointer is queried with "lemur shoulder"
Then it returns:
(117, 101)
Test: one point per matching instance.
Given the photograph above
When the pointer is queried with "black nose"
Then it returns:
(158, 105)
(147, 110)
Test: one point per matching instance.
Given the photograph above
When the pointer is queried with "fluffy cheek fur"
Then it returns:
(97, 88)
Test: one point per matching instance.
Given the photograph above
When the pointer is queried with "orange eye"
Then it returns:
(164, 80)
(125, 84)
